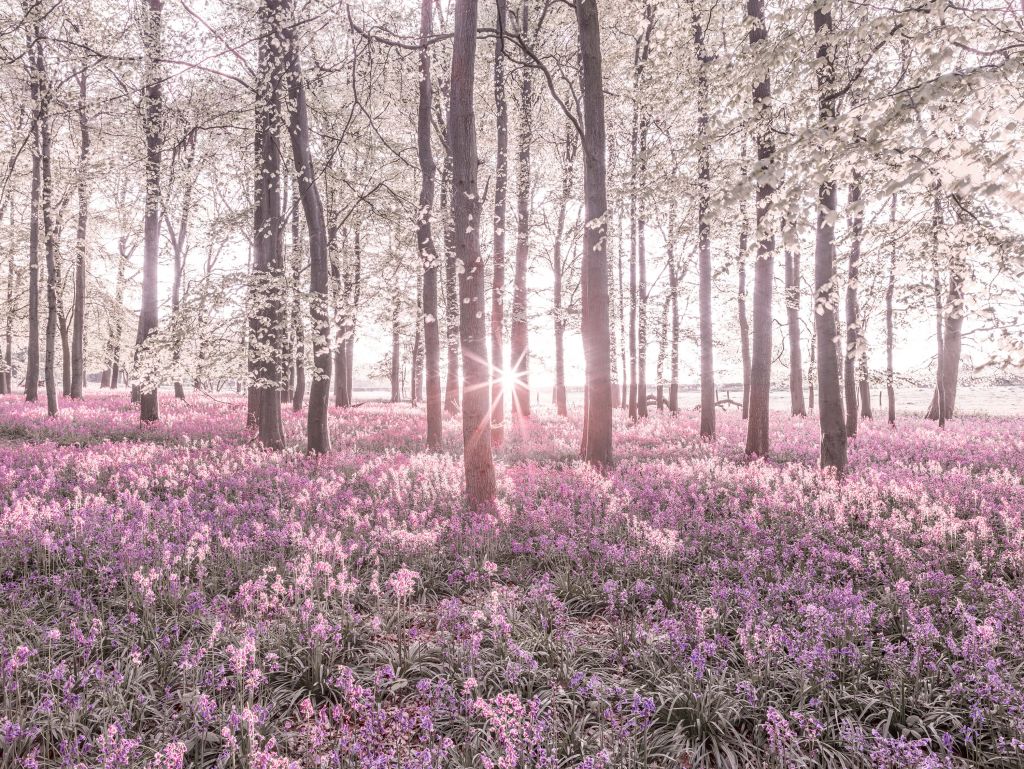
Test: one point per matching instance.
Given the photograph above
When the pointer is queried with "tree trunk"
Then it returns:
(500, 226)
(826, 294)
(662, 353)
(673, 284)
(299, 389)
(623, 347)
(761, 350)
(318, 438)
(940, 346)
(796, 366)
(149, 409)
(953, 314)
(396, 352)
(41, 133)
(852, 312)
(428, 252)
(81, 266)
(596, 443)
(707, 361)
(417, 346)
(557, 265)
(890, 293)
(476, 417)
(451, 293)
(36, 86)
(267, 232)
(741, 308)
(8, 375)
(519, 341)
(179, 240)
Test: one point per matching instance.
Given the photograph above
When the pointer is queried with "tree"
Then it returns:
(852, 312)
(425, 238)
(596, 444)
(481, 485)
(707, 364)
(500, 226)
(81, 229)
(830, 403)
(152, 37)
(761, 350)
(519, 341)
(318, 438)
(268, 263)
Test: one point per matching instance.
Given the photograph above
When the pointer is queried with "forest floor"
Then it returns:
(174, 596)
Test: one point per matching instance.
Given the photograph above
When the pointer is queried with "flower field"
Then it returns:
(174, 596)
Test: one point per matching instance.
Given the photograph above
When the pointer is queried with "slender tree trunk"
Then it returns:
(41, 133)
(634, 390)
(673, 385)
(451, 292)
(500, 227)
(417, 346)
(626, 372)
(81, 265)
(267, 233)
(557, 265)
(476, 417)
(940, 347)
(826, 295)
(596, 443)
(519, 341)
(864, 382)
(741, 308)
(117, 326)
(36, 86)
(149, 409)
(179, 241)
(890, 292)
(852, 313)
(708, 397)
(812, 366)
(318, 438)
(796, 366)
(428, 252)
(8, 375)
(662, 353)
(761, 349)
(299, 391)
(396, 352)
(953, 314)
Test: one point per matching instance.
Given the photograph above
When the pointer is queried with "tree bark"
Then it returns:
(761, 350)
(428, 252)
(796, 366)
(451, 291)
(267, 232)
(519, 341)
(830, 399)
(500, 226)
(36, 85)
(81, 265)
(149, 409)
(953, 320)
(567, 159)
(596, 443)
(318, 438)
(708, 397)
(396, 353)
(741, 308)
(890, 293)
(940, 345)
(852, 313)
(299, 388)
(41, 134)
(481, 485)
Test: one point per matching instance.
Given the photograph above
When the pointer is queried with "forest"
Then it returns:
(511, 384)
